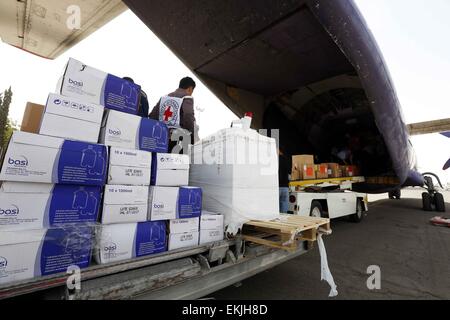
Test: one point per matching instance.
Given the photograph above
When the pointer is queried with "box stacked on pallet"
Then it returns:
(179, 205)
(303, 167)
(54, 176)
(183, 233)
(170, 198)
(211, 227)
(238, 171)
(125, 231)
(49, 198)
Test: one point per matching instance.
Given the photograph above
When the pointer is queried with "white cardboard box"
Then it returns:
(129, 167)
(70, 118)
(170, 170)
(27, 206)
(211, 221)
(168, 203)
(117, 242)
(33, 253)
(208, 236)
(125, 204)
(127, 131)
(37, 158)
(184, 225)
(183, 240)
(95, 86)
(211, 227)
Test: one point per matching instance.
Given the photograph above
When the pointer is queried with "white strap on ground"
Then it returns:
(325, 270)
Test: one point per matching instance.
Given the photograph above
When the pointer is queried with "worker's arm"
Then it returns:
(155, 112)
(188, 119)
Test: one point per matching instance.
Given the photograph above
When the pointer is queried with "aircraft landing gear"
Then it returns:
(432, 198)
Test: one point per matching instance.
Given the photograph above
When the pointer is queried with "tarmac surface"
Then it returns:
(413, 256)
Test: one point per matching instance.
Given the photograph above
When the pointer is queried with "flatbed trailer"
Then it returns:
(189, 273)
(195, 272)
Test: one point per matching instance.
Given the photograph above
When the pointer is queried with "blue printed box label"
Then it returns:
(65, 247)
(153, 136)
(121, 95)
(73, 204)
(150, 238)
(82, 163)
(189, 202)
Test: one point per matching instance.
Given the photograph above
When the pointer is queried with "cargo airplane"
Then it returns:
(311, 68)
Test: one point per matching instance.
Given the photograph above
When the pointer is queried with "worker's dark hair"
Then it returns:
(186, 83)
(128, 79)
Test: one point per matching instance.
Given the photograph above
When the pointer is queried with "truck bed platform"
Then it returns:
(326, 182)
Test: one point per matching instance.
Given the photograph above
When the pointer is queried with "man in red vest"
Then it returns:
(177, 110)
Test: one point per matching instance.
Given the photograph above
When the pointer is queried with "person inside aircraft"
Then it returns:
(285, 168)
(177, 111)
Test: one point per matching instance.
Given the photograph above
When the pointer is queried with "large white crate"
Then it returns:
(238, 172)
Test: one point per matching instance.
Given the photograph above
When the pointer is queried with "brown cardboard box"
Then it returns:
(344, 172)
(333, 170)
(309, 172)
(322, 171)
(295, 175)
(31, 121)
(298, 162)
(349, 171)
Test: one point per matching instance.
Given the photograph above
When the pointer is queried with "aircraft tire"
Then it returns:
(439, 202)
(426, 202)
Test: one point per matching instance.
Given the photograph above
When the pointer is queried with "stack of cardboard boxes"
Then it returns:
(171, 199)
(64, 196)
(52, 184)
(303, 168)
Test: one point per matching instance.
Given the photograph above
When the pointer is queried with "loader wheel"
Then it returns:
(316, 210)
(439, 202)
(358, 216)
(426, 202)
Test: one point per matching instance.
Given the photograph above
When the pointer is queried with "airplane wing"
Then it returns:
(40, 27)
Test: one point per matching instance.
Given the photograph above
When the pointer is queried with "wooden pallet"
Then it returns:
(285, 232)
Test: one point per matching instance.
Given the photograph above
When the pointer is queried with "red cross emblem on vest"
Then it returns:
(168, 114)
